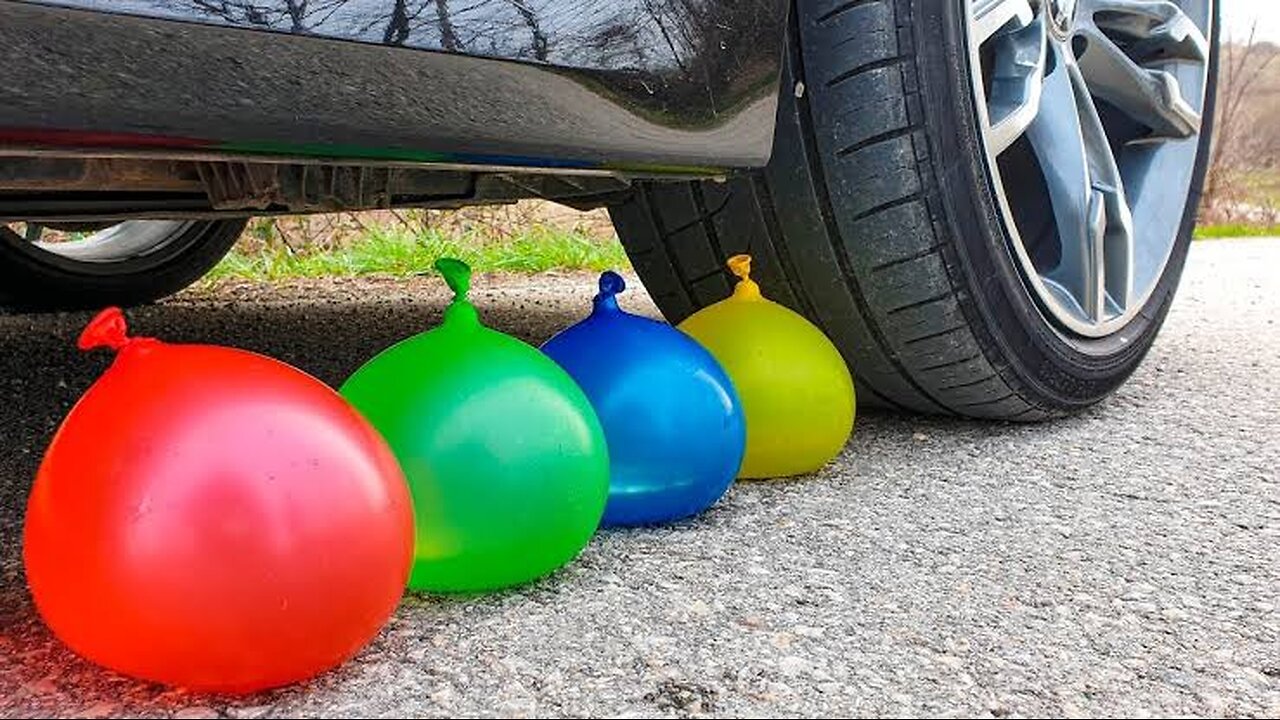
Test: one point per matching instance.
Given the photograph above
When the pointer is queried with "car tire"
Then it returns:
(32, 278)
(876, 218)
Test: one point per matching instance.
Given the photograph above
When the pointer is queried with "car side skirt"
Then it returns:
(625, 87)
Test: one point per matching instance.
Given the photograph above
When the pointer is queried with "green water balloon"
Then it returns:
(504, 456)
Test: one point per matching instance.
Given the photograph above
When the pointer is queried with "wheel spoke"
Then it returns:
(1128, 43)
(1117, 248)
(1094, 225)
(992, 16)
(1158, 26)
(1017, 79)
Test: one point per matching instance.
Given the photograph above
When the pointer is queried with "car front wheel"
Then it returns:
(985, 204)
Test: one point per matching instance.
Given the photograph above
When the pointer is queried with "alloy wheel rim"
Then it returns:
(117, 243)
(1104, 99)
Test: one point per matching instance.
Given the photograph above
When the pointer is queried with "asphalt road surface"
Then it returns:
(1126, 561)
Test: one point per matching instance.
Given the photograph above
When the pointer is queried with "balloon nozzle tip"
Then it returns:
(746, 289)
(611, 283)
(457, 275)
(740, 265)
(107, 329)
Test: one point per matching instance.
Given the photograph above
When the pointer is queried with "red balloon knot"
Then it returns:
(107, 329)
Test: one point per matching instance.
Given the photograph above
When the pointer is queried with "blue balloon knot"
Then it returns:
(611, 283)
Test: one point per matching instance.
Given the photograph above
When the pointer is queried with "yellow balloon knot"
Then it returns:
(746, 289)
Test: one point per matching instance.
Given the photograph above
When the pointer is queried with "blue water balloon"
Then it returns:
(671, 418)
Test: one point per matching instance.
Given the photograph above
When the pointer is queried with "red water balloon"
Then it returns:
(214, 519)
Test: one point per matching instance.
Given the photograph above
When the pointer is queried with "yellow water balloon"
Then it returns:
(795, 387)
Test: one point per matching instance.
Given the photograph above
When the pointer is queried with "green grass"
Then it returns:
(396, 251)
(399, 251)
(1235, 230)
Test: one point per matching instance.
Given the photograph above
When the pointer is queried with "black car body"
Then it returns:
(638, 87)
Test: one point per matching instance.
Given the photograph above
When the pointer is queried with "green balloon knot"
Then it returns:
(457, 275)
